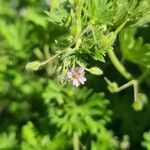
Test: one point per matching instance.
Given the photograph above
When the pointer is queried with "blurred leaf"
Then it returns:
(72, 115)
(53, 91)
(134, 49)
(7, 140)
(105, 141)
(146, 142)
(100, 11)
(29, 134)
(36, 17)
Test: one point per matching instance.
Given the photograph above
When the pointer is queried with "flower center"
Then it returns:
(75, 76)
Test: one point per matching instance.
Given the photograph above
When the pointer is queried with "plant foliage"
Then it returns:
(41, 42)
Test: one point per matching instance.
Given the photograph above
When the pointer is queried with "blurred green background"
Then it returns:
(30, 115)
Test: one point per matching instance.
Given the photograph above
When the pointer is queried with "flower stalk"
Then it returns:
(76, 141)
(118, 65)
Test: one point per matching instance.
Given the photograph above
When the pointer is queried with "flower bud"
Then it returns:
(113, 87)
(96, 71)
(139, 102)
(35, 65)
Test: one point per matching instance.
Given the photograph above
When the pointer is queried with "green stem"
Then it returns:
(133, 83)
(55, 56)
(78, 18)
(135, 88)
(125, 86)
(75, 141)
(119, 65)
(94, 36)
(80, 35)
(50, 59)
(79, 10)
(47, 55)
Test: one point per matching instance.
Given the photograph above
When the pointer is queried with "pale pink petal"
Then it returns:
(82, 79)
(73, 70)
(69, 75)
(76, 82)
(81, 70)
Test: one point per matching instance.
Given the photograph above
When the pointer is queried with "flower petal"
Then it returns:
(82, 79)
(76, 82)
(81, 70)
(69, 75)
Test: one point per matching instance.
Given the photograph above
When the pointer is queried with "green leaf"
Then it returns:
(29, 134)
(53, 17)
(98, 55)
(100, 11)
(146, 142)
(7, 140)
(53, 91)
(36, 17)
(134, 49)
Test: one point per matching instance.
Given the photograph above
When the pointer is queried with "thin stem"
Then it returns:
(85, 30)
(80, 35)
(76, 141)
(56, 55)
(125, 86)
(112, 55)
(135, 88)
(133, 83)
(94, 36)
(50, 59)
(119, 65)
(48, 56)
(78, 18)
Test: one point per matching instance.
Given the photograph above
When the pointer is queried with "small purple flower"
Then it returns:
(76, 75)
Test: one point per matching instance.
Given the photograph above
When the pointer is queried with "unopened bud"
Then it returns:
(112, 86)
(96, 71)
(139, 102)
(35, 65)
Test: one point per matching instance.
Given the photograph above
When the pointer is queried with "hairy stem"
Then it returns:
(50, 59)
(75, 141)
(48, 56)
(118, 65)
(133, 83)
